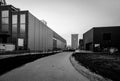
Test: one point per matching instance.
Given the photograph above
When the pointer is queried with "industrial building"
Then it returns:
(81, 44)
(100, 38)
(74, 41)
(25, 31)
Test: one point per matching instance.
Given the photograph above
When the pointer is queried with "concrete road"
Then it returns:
(53, 68)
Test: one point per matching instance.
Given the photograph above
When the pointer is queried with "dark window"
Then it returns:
(5, 27)
(22, 18)
(14, 24)
(14, 38)
(5, 21)
(107, 36)
(14, 19)
(22, 25)
(14, 28)
(5, 13)
(22, 35)
(22, 28)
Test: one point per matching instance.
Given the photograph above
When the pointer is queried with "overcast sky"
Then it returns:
(67, 17)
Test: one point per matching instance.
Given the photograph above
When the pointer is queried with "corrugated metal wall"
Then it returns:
(60, 44)
(31, 32)
(40, 36)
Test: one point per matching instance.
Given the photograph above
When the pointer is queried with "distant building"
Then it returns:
(25, 31)
(99, 38)
(74, 41)
(81, 44)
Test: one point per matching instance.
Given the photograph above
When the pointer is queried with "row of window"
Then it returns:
(5, 18)
(15, 23)
(5, 22)
(15, 19)
(15, 29)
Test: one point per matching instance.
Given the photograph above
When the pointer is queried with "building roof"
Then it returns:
(104, 27)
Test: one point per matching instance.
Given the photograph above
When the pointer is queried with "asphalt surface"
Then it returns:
(52, 68)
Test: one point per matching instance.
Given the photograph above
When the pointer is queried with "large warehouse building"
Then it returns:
(25, 31)
(99, 38)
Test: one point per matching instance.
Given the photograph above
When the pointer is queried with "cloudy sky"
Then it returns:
(67, 17)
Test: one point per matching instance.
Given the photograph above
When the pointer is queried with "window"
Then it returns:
(22, 28)
(22, 25)
(5, 27)
(22, 18)
(14, 24)
(5, 13)
(14, 28)
(5, 21)
(14, 38)
(22, 35)
(14, 19)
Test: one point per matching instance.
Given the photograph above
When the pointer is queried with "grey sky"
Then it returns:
(72, 16)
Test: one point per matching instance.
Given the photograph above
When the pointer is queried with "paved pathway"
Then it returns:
(53, 68)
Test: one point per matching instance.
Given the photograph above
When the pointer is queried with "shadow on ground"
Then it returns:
(11, 63)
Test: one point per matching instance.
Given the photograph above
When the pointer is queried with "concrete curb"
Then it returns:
(86, 72)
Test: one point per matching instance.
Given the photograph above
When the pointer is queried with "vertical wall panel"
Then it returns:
(40, 37)
(31, 31)
(43, 37)
(36, 35)
(50, 39)
(39, 34)
(46, 38)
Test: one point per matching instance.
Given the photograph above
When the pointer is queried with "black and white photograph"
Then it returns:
(59, 40)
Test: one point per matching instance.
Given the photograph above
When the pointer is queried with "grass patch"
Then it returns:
(103, 64)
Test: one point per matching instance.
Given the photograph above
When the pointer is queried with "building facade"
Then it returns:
(81, 44)
(74, 41)
(25, 31)
(99, 38)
